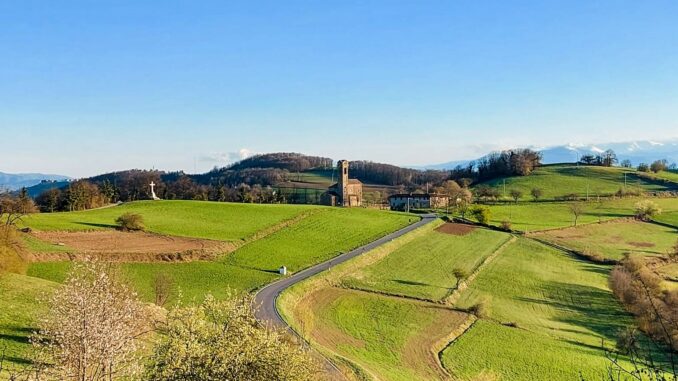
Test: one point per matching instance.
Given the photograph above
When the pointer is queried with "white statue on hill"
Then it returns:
(152, 184)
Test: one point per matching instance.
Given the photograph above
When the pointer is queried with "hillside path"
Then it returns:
(265, 300)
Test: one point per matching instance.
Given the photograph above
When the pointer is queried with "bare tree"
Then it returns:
(577, 209)
(163, 287)
(536, 193)
(516, 194)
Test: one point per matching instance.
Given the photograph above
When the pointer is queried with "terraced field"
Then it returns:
(388, 338)
(559, 180)
(612, 240)
(561, 307)
(425, 267)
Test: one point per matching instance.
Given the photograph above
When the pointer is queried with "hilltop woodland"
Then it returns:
(256, 180)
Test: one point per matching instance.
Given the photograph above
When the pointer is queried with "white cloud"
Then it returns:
(224, 158)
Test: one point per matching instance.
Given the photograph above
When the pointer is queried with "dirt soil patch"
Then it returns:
(642, 244)
(113, 245)
(455, 229)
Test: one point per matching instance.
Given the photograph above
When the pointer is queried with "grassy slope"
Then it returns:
(533, 216)
(314, 238)
(612, 240)
(562, 306)
(382, 334)
(423, 268)
(318, 238)
(670, 218)
(19, 305)
(200, 219)
(559, 180)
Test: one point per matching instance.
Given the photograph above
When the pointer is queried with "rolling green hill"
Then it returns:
(563, 179)
(197, 219)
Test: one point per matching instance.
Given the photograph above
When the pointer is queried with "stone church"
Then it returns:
(346, 192)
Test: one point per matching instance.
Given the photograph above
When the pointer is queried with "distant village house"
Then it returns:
(346, 192)
(408, 201)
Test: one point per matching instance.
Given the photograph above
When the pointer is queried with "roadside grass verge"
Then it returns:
(197, 219)
(424, 268)
(614, 239)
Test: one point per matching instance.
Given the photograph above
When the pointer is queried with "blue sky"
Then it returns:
(93, 86)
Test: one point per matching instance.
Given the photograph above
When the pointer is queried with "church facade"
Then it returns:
(346, 192)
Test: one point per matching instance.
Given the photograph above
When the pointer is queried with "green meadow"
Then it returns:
(317, 238)
(613, 240)
(197, 219)
(386, 337)
(563, 179)
(20, 305)
(424, 268)
(311, 239)
(534, 216)
(560, 306)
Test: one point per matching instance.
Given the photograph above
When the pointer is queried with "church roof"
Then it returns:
(350, 181)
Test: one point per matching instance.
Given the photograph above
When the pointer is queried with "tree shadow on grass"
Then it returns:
(415, 283)
(591, 308)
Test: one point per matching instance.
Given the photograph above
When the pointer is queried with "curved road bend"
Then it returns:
(266, 298)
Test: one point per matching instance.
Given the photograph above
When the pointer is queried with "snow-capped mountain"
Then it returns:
(637, 152)
(645, 151)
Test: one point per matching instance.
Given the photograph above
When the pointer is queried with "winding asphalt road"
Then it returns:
(266, 298)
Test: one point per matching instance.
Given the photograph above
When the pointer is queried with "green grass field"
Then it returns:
(20, 305)
(534, 216)
(198, 219)
(318, 238)
(387, 337)
(670, 218)
(423, 268)
(612, 240)
(560, 180)
(515, 354)
(315, 238)
(561, 304)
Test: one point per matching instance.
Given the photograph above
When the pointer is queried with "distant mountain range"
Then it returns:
(14, 181)
(645, 151)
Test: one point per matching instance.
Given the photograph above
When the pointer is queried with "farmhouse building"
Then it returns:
(346, 192)
(407, 201)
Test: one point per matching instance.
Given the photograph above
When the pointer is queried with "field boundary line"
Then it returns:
(453, 298)
(441, 345)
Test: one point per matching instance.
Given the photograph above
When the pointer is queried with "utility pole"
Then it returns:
(624, 180)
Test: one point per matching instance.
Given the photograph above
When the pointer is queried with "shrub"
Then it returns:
(226, 342)
(506, 225)
(536, 193)
(481, 309)
(481, 214)
(130, 221)
(460, 274)
(647, 209)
